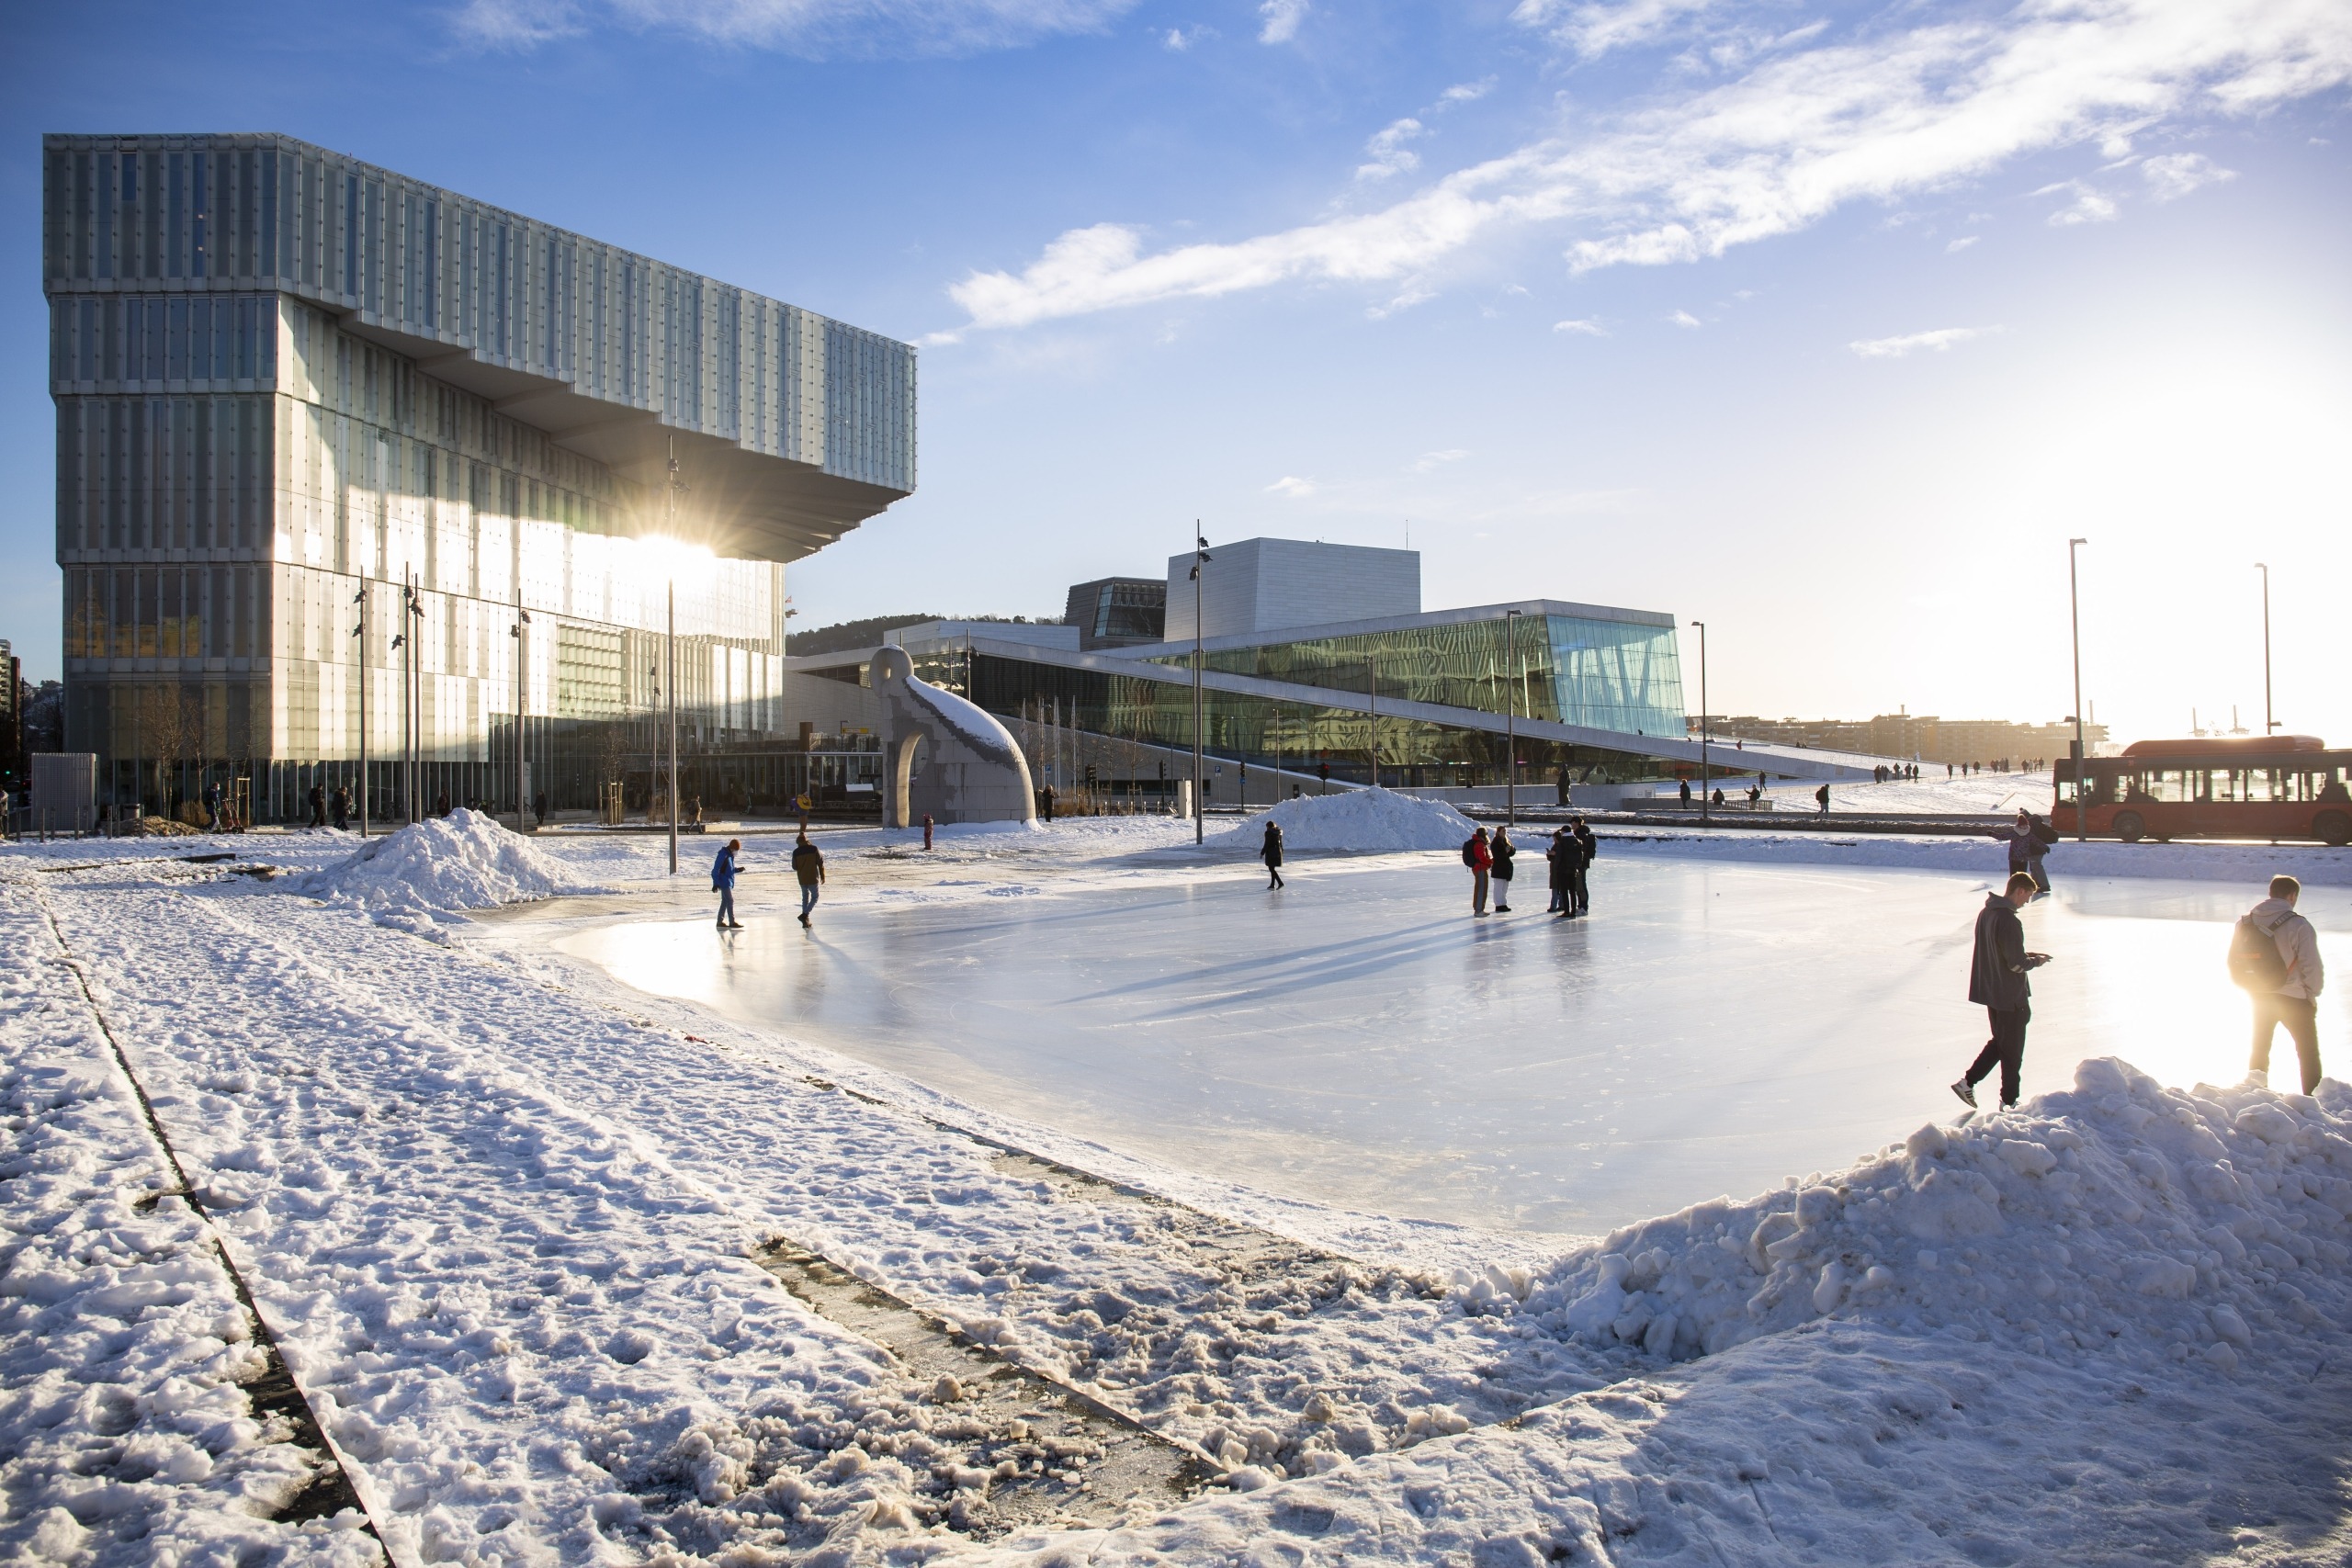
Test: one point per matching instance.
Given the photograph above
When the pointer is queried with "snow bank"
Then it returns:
(2254, 865)
(464, 861)
(2119, 1218)
(1366, 820)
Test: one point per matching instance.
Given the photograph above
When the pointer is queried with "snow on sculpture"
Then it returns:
(972, 772)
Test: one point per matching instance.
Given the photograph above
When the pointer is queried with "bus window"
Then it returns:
(2170, 786)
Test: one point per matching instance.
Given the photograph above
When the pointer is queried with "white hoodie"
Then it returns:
(2298, 945)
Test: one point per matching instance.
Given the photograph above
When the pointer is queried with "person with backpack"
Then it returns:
(1558, 856)
(1504, 852)
(2274, 954)
(722, 881)
(1821, 798)
(808, 867)
(1996, 981)
(1272, 853)
(1480, 859)
(2029, 840)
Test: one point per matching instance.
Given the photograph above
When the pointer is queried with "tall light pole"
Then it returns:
(361, 633)
(1704, 816)
(1200, 558)
(1511, 719)
(2082, 751)
(671, 489)
(522, 619)
(2268, 723)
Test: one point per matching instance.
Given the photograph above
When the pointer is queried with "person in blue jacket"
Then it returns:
(722, 879)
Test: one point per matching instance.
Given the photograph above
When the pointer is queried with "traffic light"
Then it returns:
(1323, 772)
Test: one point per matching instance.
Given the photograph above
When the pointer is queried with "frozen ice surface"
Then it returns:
(1359, 1039)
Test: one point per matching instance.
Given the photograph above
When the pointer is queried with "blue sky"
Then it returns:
(1828, 324)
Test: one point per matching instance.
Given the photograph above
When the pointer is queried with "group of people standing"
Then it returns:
(1493, 862)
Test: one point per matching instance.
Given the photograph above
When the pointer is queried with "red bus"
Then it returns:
(2250, 786)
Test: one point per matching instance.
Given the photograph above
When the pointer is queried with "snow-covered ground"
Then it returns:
(504, 1218)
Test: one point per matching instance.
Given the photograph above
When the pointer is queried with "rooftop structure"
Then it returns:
(1254, 586)
(1116, 611)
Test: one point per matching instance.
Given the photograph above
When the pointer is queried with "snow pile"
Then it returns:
(1369, 822)
(2119, 1218)
(464, 861)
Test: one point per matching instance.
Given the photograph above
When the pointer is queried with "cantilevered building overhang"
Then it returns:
(791, 428)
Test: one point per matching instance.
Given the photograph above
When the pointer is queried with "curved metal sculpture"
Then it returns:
(973, 772)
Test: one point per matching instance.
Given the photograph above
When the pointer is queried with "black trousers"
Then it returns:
(2007, 1049)
(2301, 1015)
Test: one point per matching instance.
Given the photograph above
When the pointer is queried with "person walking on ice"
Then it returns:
(2283, 983)
(722, 881)
(1481, 862)
(1821, 798)
(1579, 873)
(2028, 839)
(1504, 852)
(1272, 853)
(1996, 981)
(808, 865)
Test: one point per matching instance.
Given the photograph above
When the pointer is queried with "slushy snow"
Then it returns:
(430, 869)
(1365, 821)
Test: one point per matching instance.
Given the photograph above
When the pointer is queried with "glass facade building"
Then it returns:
(1594, 692)
(298, 394)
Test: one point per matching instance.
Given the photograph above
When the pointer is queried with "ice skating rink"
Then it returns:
(1359, 1039)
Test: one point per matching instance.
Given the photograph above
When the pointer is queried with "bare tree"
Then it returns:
(173, 725)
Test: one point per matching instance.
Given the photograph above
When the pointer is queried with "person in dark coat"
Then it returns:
(723, 880)
(2028, 841)
(1996, 982)
(1504, 852)
(1560, 854)
(317, 805)
(1272, 853)
(1590, 850)
(341, 808)
(808, 867)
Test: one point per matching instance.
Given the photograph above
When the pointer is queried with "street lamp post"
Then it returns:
(1200, 558)
(1511, 719)
(522, 801)
(673, 488)
(361, 633)
(1705, 815)
(2268, 723)
(2082, 751)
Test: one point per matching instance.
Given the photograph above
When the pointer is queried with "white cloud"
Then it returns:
(2174, 174)
(1683, 319)
(1692, 174)
(1940, 341)
(1292, 485)
(1430, 462)
(1588, 328)
(2090, 206)
(1283, 17)
(816, 28)
(1592, 29)
(1388, 153)
(1961, 243)
(1467, 92)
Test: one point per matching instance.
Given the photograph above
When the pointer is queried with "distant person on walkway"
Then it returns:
(1756, 792)
(1717, 798)
(540, 808)
(2029, 840)
(1480, 859)
(1590, 851)
(1504, 852)
(926, 829)
(808, 865)
(1045, 803)
(341, 808)
(1996, 981)
(723, 880)
(1271, 852)
(317, 805)
(1822, 797)
(212, 807)
(2287, 990)
(441, 804)
(1686, 792)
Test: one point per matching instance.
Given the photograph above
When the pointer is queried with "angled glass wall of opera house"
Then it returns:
(333, 441)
